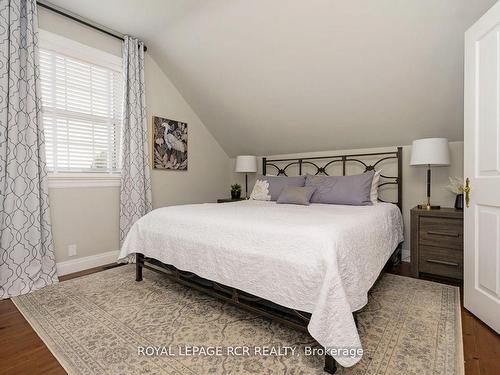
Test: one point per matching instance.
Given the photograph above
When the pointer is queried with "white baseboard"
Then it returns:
(84, 263)
(405, 255)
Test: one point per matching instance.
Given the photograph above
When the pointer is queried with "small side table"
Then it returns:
(437, 242)
(227, 200)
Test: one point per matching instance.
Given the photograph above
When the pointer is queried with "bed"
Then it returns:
(307, 266)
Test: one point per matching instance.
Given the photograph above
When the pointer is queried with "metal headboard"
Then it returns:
(321, 163)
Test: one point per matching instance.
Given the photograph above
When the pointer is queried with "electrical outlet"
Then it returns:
(72, 250)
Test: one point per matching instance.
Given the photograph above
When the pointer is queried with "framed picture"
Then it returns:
(170, 144)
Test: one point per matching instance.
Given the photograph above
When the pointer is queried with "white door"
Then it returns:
(482, 167)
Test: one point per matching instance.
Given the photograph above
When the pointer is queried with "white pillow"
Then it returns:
(260, 191)
(374, 190)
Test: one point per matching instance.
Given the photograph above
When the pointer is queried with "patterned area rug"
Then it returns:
(98, 324)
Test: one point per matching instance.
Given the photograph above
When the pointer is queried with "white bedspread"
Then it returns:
(321, 259)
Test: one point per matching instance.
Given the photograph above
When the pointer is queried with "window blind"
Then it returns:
(82, 106)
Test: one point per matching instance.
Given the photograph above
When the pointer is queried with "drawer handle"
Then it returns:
(446, 234)
(443, 262)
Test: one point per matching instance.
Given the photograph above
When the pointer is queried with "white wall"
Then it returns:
(414, 179)
(89, 217)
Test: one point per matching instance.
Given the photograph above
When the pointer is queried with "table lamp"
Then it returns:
(430, 152)
(246, 164)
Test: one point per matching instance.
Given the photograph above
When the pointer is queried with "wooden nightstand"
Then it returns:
(227, 200)
(437, 242)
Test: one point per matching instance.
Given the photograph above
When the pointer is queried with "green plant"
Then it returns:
(236, 188)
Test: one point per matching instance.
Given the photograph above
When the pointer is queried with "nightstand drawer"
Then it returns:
(441, 261)
(442, 232)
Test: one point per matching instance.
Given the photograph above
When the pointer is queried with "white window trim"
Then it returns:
(51, 41)
(77, 180)
(69, 47)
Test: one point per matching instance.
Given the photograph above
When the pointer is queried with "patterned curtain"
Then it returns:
(135, 191)
(26, 251)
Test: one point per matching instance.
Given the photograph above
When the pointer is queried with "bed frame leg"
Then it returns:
(139, 262)
(394, 260)
(330, 364)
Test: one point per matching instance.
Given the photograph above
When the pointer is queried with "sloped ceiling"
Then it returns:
(280, 76)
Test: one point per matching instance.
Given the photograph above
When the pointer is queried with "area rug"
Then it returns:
(106, 323)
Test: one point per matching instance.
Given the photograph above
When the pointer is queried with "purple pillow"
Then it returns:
(351, 190)
(296, 195)
(278, 183)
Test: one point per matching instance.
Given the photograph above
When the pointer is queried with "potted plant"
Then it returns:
(236, 191)
(456, 186)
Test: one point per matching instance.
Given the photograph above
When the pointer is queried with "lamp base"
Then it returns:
(428, 207)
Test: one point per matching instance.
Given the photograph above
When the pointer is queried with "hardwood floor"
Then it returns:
(23, 352)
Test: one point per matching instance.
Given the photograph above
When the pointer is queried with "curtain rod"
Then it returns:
(83, 21)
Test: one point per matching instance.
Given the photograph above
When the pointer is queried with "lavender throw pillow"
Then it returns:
(350, 190)
(296, 195)
(278, 183)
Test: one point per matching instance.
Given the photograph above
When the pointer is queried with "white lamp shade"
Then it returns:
(430, 151)
(246, 163)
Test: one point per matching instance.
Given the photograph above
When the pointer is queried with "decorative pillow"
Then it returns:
(260, 191)
(351, 190)
(374, 190)
(296, 195)
(277, 183)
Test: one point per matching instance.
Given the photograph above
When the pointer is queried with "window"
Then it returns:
(82, 106)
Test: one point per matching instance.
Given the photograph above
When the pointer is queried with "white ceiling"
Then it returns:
(280, 76)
